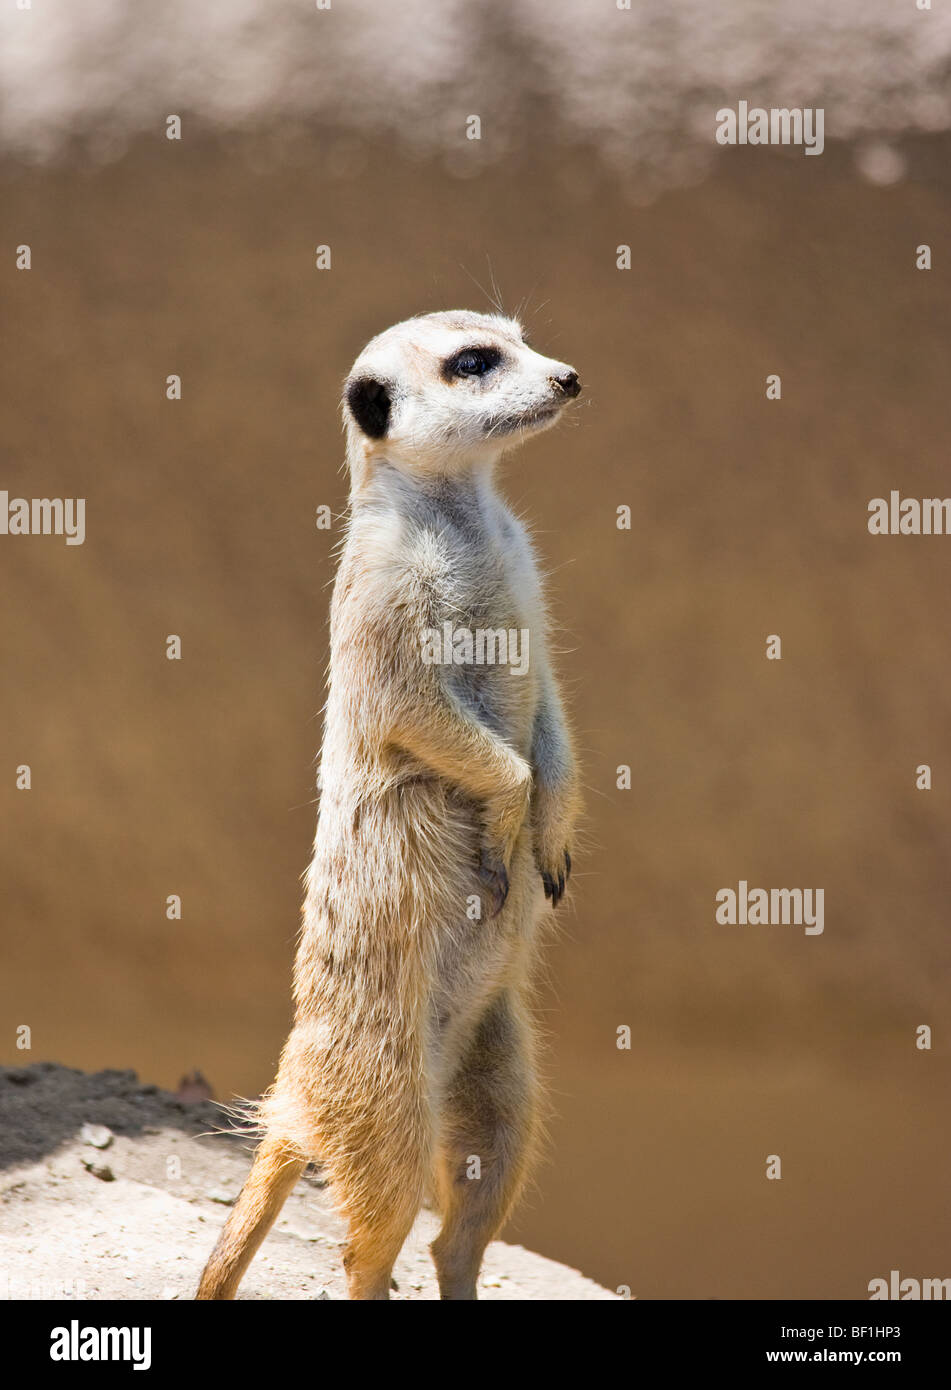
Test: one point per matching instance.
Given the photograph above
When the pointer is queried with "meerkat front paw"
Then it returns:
(505, 815)
(555, 871)
(504, 818)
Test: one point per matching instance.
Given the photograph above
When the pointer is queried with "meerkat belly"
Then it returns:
(397, 871)
(394, 890)
(476, 957)
(488, 632)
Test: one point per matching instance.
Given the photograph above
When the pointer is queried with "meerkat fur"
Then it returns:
(448, 800)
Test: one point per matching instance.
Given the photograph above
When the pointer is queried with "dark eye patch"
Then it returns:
(473, 361)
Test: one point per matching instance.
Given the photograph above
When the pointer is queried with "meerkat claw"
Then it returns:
(555, 887)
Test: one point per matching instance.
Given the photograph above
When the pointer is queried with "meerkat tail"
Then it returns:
(273, 1174)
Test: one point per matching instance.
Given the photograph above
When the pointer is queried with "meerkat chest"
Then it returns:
(485, 618)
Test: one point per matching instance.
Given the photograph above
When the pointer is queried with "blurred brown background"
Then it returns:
(153, 777)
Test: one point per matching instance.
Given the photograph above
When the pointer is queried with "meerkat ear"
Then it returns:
(369, 403)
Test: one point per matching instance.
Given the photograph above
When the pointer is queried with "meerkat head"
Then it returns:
(438, 392)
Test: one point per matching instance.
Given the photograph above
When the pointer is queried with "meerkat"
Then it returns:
(448, 800)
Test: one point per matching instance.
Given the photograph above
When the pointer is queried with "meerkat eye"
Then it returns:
(471, 362)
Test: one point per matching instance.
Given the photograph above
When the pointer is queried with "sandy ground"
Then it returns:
(114, 1189)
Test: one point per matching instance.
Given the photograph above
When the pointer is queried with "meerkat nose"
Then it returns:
(568, 384)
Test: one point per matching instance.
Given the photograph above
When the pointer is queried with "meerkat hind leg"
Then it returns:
(372, 1250)
(381, 1195)
(489, 1114)
(377, 1171)
(273, 1174)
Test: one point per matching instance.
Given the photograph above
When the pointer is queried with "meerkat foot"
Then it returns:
(372, 1250)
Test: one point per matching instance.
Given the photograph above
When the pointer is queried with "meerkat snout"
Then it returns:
(568, 385)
